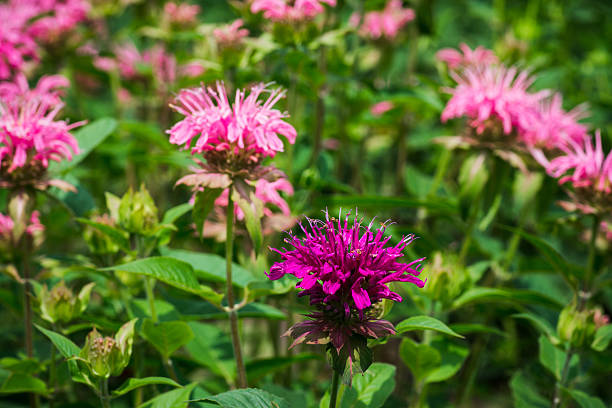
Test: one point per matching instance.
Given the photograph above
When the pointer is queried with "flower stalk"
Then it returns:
(333, 395)
(232, 312)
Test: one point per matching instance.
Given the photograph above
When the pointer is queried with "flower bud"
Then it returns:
(578, 327)
(61, 305)
(106, 356)
(447, 278)
(137, 212)
(98, 242)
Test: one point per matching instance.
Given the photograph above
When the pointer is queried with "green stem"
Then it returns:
(556, 402)
(592, 252)
(440, 171)
(53, 373)
(333, 395)
(169, 365)
(150, 298)
(233, 315)
(103, 394)
(27, 317)
(467, 241)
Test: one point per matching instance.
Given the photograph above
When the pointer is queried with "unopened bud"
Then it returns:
(447, 278)
(137, 212)
(61, 305)
(108, 356)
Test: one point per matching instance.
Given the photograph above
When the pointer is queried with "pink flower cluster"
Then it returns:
(230, 35)
(181, 14)
(381, 108)
(467, 57)
(493, 96)
(249, 124)
(24, 22)
(290, 10)
(29, 131)
(7, 225)
(386, 23)
(584, 165)
(163, 64)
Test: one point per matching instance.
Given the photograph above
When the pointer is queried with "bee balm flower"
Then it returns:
(467, 57)
(30, 135)
(288, 10)
(344, 269)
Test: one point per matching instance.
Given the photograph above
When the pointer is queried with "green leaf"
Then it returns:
(166, 337)
(552, 358)
(118, 236)
(603, 336)
(65, 346)
(212, 348)
(88, 138)
(211, 267)
(17, 383)
(376, 201)
(525, 394)
(133, 383)
(204, 203)
(249, 397)
(175, 213)
(256, 369)
(420, 358)
(375, 385)
(170, 271)
(425, 323)
(492, 295)
(585, 400)
(178, 398)
(452, 358)
(467, 328)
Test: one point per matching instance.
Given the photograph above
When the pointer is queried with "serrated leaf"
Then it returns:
(211, 267)
(17, 383)
(249, 397)
(525, 394)
(425, 323)
(603, 336)
(166, 337)
(65, 346)
(585, 400)
(88, 137)
(375, 385)
(212, 348)
(171, 271)
(520, 296)
(552, 358)
(175, 213)
(134, 383)
(178, 398)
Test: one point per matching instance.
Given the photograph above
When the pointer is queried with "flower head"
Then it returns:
(290, 10)
(552, 126)
(344, 269)
(30, 135)
(230, 35)
(181, 14)
(492, 97)
(467, 57)
(386, 23)
(380, 108)
(249, 125)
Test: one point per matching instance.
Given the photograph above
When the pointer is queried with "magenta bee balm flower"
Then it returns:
(289, 10)
(345, 270)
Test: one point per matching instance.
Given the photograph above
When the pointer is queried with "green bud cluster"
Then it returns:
(61, 305)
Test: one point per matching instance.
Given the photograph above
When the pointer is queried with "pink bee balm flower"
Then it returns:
(288, 10)
(34, 229)
(454, 59)
(552, 126)
(587, 165)
(191, 69)
(249, 125)
(386, 23)
(16, 45)
(231, 35)
(381, 107)
(29, 133)
(181, 14)
(345, 270)
(493, 95)
(59, 16)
